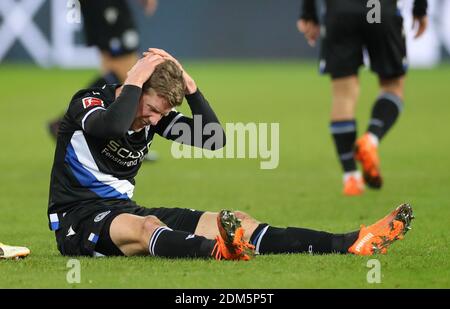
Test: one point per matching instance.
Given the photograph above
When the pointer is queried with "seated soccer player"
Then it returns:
(103, 138)
(13, 252)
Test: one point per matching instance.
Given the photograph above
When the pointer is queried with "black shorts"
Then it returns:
(108, 25)
(346, 33)
(85, 230)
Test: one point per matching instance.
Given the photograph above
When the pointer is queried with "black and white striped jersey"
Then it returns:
(91, 167)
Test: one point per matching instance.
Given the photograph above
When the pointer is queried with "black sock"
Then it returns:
(344, 135)
(268, 239)
(257, 233)
(341, 242)
(385, 112)
(177, 244)
(108, 78)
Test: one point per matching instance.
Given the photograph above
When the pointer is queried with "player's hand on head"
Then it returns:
(310, 29)
(164, 54)
(421, 23)
(191, 86)
(143, 69)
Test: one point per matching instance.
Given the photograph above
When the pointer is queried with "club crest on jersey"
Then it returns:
(91, 101)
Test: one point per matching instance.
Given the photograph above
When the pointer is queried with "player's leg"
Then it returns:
(129, 234)
(385, 112)
(387, 107)
(341, 57)
(136, 235)
(388, 61)
(375, 238)
(267, 239)
(272, 240)
(345, 92)
(225, 228)
(207, 224)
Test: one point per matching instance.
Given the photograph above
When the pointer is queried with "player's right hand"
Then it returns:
(164, 54)
(310, 29)
(143, 69)
(191, 86)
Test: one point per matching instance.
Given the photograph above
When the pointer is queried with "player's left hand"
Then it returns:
(191, 87)
(310, 29)
(421, 24)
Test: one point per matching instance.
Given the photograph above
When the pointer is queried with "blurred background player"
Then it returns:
(346, 33)
(109, 26)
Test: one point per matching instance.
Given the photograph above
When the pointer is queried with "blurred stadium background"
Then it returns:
(48, 32)
(253, 65)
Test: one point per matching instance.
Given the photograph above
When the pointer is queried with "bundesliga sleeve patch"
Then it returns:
(91, 101)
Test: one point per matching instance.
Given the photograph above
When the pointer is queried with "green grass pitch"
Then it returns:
(305, 189)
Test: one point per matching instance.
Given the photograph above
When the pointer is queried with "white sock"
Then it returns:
(373, 138)
(356, 174)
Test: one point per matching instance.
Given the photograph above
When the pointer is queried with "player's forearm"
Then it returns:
(117, 119)
(200, 106)
(420, 8)
(308, 11)
(201, 109)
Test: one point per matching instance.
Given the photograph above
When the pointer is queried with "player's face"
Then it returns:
(150, 110)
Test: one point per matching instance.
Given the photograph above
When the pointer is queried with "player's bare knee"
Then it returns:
(393, 86)
(149, 226)
(346, 88)
(242, 215)
(248, 223)
(343, 109)
(246, 220)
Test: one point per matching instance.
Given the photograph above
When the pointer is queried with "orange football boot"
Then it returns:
(353, 185)
(366, 152)
(377, 237)
(230, 244)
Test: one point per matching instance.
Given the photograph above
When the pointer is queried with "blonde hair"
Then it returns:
(168, 82)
